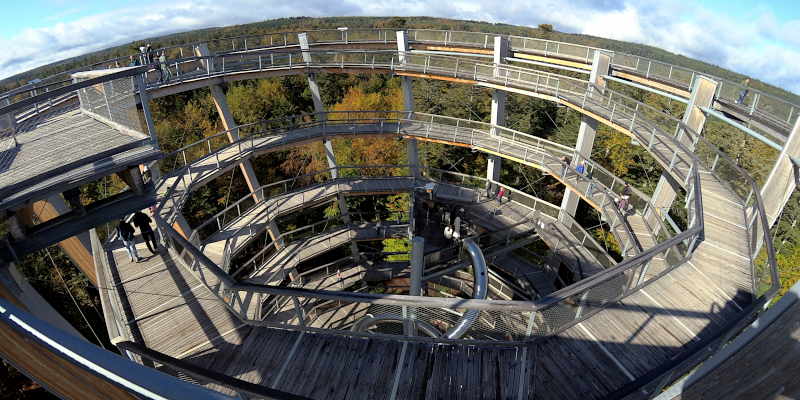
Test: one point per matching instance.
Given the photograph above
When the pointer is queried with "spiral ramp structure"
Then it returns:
(234, 307)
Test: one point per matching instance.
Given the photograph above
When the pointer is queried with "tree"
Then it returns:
(546, 28)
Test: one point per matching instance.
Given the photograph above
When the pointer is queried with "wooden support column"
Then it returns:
(229, 124)
(15, 288)
(782, 180)
(587, 130)
(412, 151)
(182, 226)
(78, 248)
(330, 156)
(275, 235)
(133, 178)
(498, 116)
(694, 117)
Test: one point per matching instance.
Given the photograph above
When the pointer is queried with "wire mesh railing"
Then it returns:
(112, 101)
(108, 96)
(595, 183)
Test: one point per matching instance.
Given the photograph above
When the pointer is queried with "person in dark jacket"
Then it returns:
(142, 221)
(126, 234)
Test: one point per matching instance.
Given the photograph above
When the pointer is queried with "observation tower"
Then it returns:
(246, 305)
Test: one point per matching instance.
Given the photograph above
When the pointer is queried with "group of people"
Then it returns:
(147, 57)
(126, 233)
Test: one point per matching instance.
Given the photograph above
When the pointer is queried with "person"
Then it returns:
(134, 62)
(622, 203)
(126, 234)
(142, 221)
(565, 162)
(581, 168)
(165, 74)
(143, 55)
(744, 92)
(626, 191)
(500, 194)
(625, 198)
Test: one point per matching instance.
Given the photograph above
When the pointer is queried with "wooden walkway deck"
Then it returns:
(612, 352)
(165, 307)
(61, 149)
(613, 348)
(253, 221)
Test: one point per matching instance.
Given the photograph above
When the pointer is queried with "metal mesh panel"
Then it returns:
(113, 101)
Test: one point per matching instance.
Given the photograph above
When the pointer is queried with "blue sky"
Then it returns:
(758, 38)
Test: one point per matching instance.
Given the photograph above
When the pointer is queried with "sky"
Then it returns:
(757, 38)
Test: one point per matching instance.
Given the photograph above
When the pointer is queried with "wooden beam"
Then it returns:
(552, 60)
(437, 77)
(77, 248)
(465, 50)
(651, 83)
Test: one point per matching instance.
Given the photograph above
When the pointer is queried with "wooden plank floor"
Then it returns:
(171, 311)
(591, 359)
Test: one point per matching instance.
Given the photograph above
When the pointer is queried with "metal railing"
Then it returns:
(112, 101)
(778, 110)
(76, 354)
(663, 135)
(745, 191)
(556, 313)
(538, 206)
(108, 97)
(772, 107)
(598, 183)
(273, 192)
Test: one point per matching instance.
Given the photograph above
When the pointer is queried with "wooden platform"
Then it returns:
(242, 230)
(59, 150)
(606, 355)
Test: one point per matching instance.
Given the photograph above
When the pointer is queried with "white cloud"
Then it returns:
(762, 48)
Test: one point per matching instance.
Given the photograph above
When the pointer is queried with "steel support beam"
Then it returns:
(782, 180)
(702, 96)
(228, 123)
(182, 227)
(412, 151)
(498, 116)
(417, 265)
(587, 130)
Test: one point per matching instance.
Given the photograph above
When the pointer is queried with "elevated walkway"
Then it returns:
(623, 328)
(240, 231)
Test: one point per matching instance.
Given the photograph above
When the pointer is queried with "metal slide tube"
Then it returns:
(481, 289)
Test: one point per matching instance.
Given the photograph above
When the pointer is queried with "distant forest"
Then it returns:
(191, 116)
(293, 24)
